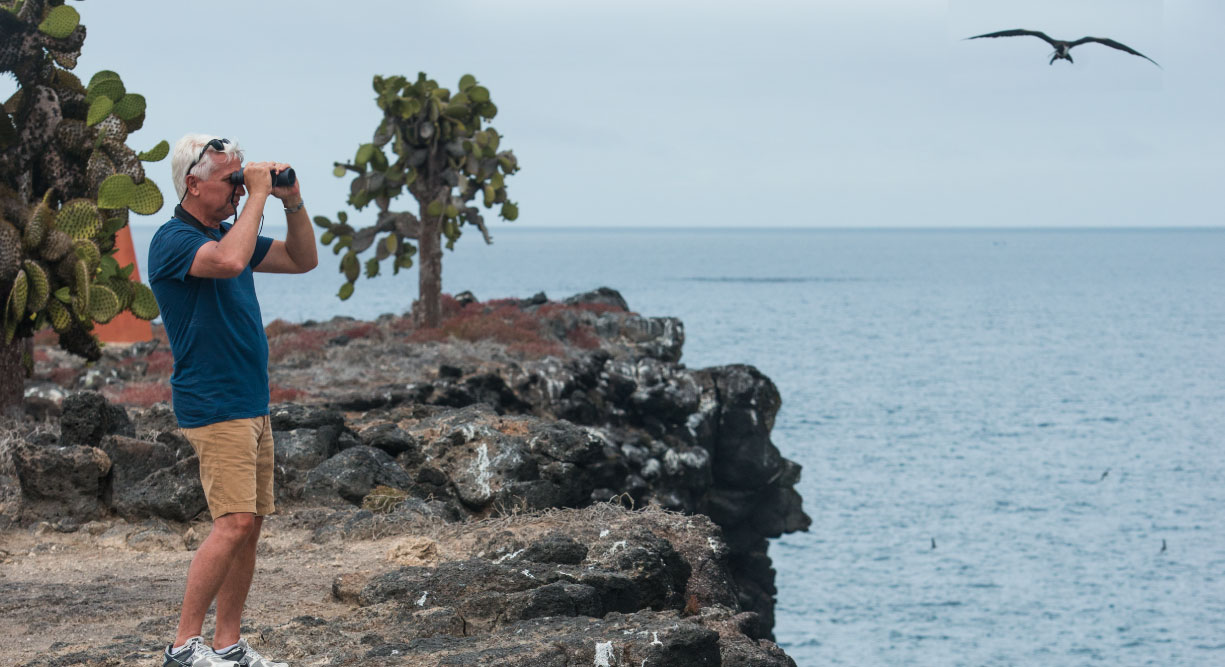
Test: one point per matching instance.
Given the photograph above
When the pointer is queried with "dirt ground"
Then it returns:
(113, 583)
(81, 590)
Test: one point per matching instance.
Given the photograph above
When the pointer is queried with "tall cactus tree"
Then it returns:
(67, 182)
(445, 155)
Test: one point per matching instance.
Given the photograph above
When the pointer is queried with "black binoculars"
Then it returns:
(279, 179)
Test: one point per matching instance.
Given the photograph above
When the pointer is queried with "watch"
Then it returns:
(295, 208)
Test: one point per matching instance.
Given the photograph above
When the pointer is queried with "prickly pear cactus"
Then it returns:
(445, 155)
(67, 182)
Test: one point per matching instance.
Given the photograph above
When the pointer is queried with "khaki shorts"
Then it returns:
(236, 463)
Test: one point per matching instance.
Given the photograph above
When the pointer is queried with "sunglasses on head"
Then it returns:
(215, 144)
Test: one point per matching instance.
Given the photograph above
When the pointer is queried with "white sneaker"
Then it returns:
(195, 653)
(245, 656)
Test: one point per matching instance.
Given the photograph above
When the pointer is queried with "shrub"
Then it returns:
(383, 499)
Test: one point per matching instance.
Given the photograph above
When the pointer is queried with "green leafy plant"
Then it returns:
(67, 183)
(445, 155)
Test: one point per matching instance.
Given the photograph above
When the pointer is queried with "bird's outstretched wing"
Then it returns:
(1017, 33)
(1114, 45)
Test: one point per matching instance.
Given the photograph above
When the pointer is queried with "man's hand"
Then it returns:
(290, 194)
(257, 177)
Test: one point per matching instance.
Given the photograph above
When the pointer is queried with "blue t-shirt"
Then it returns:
(215, 329)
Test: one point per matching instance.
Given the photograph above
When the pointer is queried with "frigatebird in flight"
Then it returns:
(1062, 47)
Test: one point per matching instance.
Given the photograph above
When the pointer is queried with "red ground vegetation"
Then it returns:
(498, 320)
(363, 330)
(143, 394)
(160, 363)
(279, 394)
(285, 339)
(504, 321)
(64, 376)
(583, 337)
(278, 326)
(46, 337)
(552, 308)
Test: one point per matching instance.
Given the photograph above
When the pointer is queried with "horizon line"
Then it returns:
(876, 228)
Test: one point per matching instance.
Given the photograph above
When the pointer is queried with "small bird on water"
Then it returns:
(933, 543)
(1061, 47)
(1104, 474)
(1162, 546)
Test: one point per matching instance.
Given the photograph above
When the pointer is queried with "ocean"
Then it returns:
(1011, 439)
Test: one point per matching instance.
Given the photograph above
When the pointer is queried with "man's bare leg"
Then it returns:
(210, 568)
(233, 594)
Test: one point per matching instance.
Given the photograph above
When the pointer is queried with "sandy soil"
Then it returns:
(115, 588)
(83, 590)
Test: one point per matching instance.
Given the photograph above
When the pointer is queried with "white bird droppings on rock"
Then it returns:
(482, 473)
(603, 654)
(604, 533)
(421, 600)
(510, 555)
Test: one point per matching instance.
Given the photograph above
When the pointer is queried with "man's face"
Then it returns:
(217, 194)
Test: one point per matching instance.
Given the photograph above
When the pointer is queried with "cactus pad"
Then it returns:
(79, 219)
(18, 295)
(88, 252)
(156, 153)
(130, 106)
(56, 245)
(123, 290)
(41, 222)
(99, 168)
(99, 109)
(124, 159)
(111, 88)
(103, 304)
(10, 250)
(59, 316)
(146, 198)
(144, 305)
(112, 128)
(60, 22)
(40, 287)
(74, 137)
(115, 191)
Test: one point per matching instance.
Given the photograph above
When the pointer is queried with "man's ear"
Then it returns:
(192, 182)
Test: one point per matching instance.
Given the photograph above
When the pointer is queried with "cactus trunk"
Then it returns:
(429, 293)
(12, 377)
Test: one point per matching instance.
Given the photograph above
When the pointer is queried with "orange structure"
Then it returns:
(126, 327)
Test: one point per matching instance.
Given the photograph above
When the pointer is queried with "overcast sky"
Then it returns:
(835, 113)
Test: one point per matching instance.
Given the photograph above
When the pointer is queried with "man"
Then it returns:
(200, 271)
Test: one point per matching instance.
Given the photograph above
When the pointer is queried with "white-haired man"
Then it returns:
(200, 271)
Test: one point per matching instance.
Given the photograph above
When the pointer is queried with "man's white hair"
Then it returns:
(188, 149)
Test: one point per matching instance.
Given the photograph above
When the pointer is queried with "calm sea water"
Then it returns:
(1047, 406)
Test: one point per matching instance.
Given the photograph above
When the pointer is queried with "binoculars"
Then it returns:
(279, 179)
